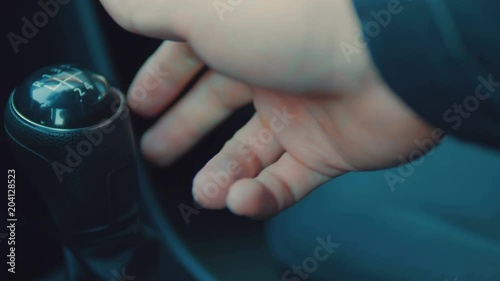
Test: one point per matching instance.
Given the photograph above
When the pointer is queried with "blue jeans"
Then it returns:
(434, 220)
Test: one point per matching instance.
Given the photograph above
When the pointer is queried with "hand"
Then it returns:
(317, 116)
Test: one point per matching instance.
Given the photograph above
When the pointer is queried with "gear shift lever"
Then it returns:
(71, 132)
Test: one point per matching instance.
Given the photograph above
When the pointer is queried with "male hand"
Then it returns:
(318, 113)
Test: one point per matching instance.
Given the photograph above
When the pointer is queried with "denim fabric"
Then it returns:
(440, 222)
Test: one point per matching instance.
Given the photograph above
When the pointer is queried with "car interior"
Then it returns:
(435, 220)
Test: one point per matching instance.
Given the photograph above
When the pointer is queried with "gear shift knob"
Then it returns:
(70, 130)
(65, 97)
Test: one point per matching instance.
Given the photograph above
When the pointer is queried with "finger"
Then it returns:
(157, 18)
(276, 188)
(162, 78)
(211, 101)
(250, 150)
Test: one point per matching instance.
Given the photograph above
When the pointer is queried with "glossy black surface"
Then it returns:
(65, 97)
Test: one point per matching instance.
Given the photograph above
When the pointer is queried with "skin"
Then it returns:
(277, 55)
